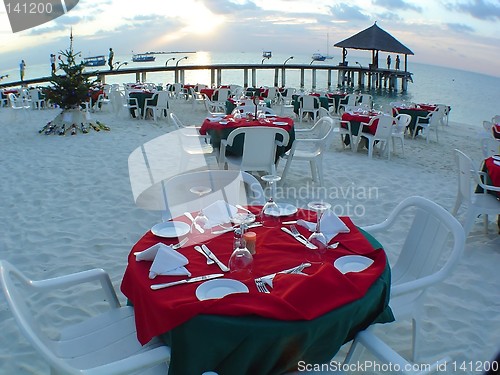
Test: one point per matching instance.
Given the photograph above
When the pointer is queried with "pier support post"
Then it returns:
(212, 77)
(245, 78)
(137, 77)
(254, 77)
(276, 77)
(313, 72)
(219, 77)
(329, 79)
(302, 79)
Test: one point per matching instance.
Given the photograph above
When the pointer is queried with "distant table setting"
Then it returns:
(141, 95)
(313, 301)
(492, 168)
(219, 127)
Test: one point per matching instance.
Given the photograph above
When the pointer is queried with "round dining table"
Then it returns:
(305, 317)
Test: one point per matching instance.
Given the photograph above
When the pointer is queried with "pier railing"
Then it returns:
(346, 75)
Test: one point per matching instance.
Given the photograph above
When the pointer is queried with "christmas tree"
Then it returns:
(69, 90)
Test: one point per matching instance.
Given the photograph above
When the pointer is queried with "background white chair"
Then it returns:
(259, 148)
(399, 130)
(490, 147)
(309, 104)
(37, 101)
(102, 344)
(383, 134)
(311, 147)
(432, 247)
(429, 123)
(214, 108)
(477, 203)
(350, 100)
(158, 104)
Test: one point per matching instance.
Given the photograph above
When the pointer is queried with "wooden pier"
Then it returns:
(347, 76)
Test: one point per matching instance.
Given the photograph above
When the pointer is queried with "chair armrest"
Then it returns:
(140, 361)
(80, 278)
(482, 184)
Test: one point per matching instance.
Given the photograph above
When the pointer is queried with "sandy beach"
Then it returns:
(67, 206)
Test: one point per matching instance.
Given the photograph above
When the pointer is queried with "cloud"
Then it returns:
(397, 5)
(460, 28)
(228, 6)
(343, 12)
(479, 9)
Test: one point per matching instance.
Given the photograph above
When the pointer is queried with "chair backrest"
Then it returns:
(325, 134)
(259, 146)
(177, 122)
(162, 101)
(402, 122)
(490, 147)
(351, 100)
(231, 186)
(466, 170)
(309, 102)
(433, 245)
(366, 99)
(487, 126)
(384, 126)
(222, 94)
(495, 119)
(117, 99)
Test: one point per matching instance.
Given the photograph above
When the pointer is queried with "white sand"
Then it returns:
(67, 206)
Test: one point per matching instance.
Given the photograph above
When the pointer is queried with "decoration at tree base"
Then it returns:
(75, 125)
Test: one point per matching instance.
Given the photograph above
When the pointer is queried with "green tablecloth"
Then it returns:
(296, 102)
(414, 113)
(141, 99)
(237, 148)
(250, 345)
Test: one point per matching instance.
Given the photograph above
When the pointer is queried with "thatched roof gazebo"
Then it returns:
(374, 39)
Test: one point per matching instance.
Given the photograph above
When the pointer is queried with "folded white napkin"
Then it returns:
(219, 212)
(496, 162)
(214, 119)
(330, 225)
(166, 261)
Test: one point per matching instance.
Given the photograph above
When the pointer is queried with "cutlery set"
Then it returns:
(261, 282)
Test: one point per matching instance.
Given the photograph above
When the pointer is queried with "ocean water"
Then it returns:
(472, 97)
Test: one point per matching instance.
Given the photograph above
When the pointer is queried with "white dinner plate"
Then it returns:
(213, 289)
(496, 157)
(287, 209)
(352, 263)
(171, 229)
(282, 123)
(223, 122)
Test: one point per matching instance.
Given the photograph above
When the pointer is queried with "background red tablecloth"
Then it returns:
(236, 123)
(294, 297)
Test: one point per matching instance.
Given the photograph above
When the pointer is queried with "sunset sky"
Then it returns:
(463, 34)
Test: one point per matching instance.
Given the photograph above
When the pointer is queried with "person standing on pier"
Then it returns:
(53, 63)
(397, 62)
(388, 61)
(110, 58)
(22, 68)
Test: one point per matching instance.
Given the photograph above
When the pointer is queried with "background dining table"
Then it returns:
(141, 97)
(304, 318)
(220, 128)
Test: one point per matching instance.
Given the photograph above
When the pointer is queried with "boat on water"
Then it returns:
(143, 57)
(94, 61)
(267, 54)
(320, 57)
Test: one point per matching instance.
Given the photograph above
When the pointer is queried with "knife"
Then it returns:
(209, 260)
(222, 231)
(196, 225)
(187, 281)
(300, 239)
(221, 265)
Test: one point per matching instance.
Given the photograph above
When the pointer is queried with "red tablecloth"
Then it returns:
(236, 123)
(493, 171)
(294, 297)
(358, 117)
(208, 92)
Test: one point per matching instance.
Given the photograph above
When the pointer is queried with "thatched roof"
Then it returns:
(376, 39)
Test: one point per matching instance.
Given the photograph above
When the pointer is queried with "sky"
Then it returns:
(462, 34)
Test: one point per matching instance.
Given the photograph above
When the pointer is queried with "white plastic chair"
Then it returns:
(350, 100)
(158, 104)
(36, 100)
(233, 187)
(309, 104)
(399, 130)
(18, 104)
(477, 203)
(429, 123)
(490, 147)
(214, 108)
(389, 356)
(432, 247)
(102, 344)
(383, 134)
(259, 148)
(311, 149)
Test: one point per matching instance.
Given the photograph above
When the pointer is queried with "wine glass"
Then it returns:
(201, 220)
(270, 213)
(317, 237)
(241, 259)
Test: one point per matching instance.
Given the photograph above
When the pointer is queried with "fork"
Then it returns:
(261, 286)
(296, 232)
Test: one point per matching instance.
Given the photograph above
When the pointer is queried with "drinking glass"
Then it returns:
(201, 219)
(317, 237)
(270, 213)
(241, 259)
